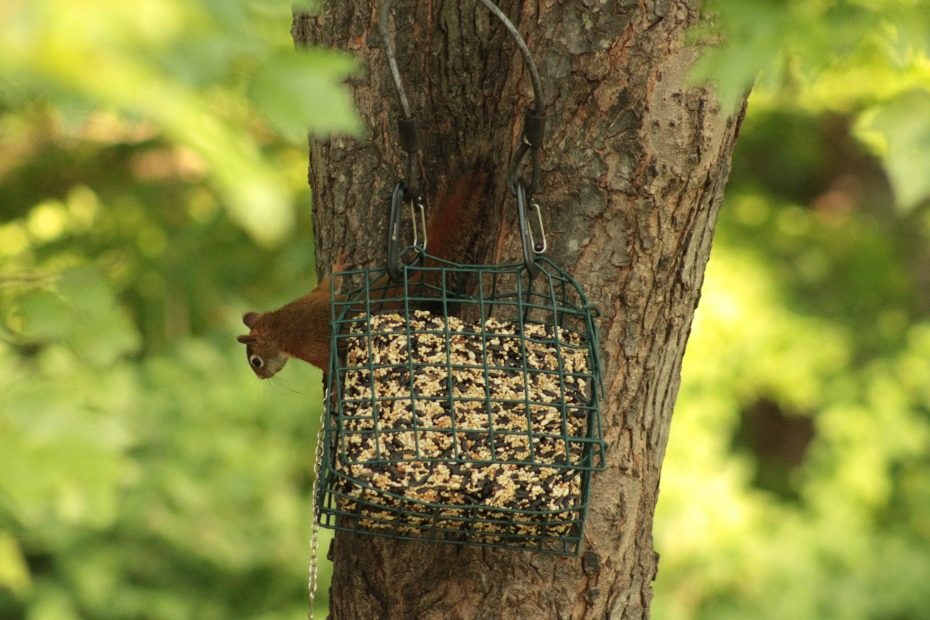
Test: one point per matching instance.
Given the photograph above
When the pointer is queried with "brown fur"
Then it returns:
(301, 328)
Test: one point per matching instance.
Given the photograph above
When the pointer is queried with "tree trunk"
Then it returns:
(634, 165)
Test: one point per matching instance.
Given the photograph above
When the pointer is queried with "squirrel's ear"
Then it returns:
(245, 339)
(250, 318)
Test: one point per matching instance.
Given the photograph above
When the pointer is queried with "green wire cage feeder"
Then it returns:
(480, 430)
(462, 403)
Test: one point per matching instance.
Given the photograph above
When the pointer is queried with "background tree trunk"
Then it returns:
(634, 166)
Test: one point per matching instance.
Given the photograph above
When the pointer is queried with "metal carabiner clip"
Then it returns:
(539, 247)
(530, 246)
(394, 250)
(417, 205)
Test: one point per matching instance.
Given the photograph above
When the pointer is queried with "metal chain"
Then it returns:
(315, 526)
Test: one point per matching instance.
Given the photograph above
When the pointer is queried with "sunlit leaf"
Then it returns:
(899, 131)
(45, 315)
(14, 573)
(305, 92)
(752, 40)
(101, 331)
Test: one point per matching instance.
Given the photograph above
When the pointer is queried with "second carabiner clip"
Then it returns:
(395, 250)
(531, 246)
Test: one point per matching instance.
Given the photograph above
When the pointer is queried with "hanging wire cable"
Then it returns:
(390, 52)
(534, 123)
(538, 106)
(388, 43)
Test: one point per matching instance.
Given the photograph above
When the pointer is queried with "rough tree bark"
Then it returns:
(635, 162)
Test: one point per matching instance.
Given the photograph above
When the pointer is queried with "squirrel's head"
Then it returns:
(264, 354)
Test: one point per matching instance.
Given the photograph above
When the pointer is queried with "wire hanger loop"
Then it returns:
(534, 117)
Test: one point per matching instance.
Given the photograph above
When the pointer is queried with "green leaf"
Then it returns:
(102, 331)
(899, 133)
(14, 573)
(46, 315)
(753, 37)
(304, 92)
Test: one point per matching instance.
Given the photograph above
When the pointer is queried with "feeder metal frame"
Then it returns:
(512, 293)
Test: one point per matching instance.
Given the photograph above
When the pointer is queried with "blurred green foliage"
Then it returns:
(152, 170)
(869, 59)
(196, 73)
(152, 164)
(796, 479)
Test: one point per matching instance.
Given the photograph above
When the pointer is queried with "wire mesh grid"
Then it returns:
(463, 406)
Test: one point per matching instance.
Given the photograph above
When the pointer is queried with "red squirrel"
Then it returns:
(301, 328)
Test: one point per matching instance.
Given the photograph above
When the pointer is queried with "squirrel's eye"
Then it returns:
(256, 361)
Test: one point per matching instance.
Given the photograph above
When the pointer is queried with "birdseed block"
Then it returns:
(475, 432)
